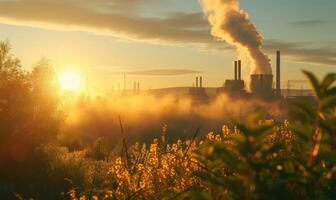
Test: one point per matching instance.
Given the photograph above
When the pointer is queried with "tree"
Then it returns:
(14, 89)
(30, 116)
(45, 100)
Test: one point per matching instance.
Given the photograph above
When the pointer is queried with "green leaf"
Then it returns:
(198, 195)
(329, 102)
(314, 82)
(306, 109)
(210, 178)
(302, 133)
(327, 125)
(228, 157)
(331, 92)
(328, 80)
(275, 148)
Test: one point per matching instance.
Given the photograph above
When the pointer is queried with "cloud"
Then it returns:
(110, 5)
(165, 72)
(149, 72)
(118, 18)
(71, 16)
(301, 52)
(188, 20)
(308, 23)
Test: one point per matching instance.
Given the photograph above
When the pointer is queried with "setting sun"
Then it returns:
(70, 80)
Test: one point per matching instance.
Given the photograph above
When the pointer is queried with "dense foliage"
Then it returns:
(256, 159)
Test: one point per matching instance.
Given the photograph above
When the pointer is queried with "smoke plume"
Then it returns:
(232, 24)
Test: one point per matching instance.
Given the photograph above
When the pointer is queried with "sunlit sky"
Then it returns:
(163, 43)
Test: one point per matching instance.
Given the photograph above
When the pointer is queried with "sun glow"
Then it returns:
(70, 80)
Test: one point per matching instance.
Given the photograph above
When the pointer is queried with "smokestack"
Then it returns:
(87, 84)
(138, 88)
(124, 83)
(278, 81)
(235, 69)
(119, 88)
(134, 88)
(201, 82)
(196, 82)
(239, 69)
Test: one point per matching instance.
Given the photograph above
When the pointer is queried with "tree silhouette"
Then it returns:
(30, 116)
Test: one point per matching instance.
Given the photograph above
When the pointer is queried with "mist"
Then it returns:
(143, 116)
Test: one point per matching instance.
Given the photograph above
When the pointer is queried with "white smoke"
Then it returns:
(233, 25)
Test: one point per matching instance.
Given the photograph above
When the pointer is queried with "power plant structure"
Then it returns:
(234, 87)
(136, 88)
(260, 85)
(197, 92)
(278, 76)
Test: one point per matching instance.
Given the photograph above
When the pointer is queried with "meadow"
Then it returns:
(249, 158)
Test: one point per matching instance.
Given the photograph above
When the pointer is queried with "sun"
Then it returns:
(70, 80)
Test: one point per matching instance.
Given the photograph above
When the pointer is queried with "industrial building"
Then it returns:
(261, 85)
(234, 87)
(197, 91)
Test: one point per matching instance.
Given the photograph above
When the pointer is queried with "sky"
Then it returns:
(164, 43)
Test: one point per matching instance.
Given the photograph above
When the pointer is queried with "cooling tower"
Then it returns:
(261, 85)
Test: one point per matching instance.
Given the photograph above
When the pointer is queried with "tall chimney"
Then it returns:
(134, 88)
(235, 69)
(87, 84)
(278, 81)
(124, 83)
(197, 82)
(201, 82)
(239, 69)
(138, 88)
